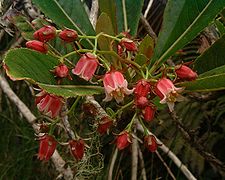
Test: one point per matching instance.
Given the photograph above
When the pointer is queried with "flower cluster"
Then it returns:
(125, 82)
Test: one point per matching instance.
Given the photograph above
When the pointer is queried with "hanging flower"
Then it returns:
(61, 71)
(77, 148)
(142, 88)
(115, 86)
(168, 93)
(149, 112)
(104, 124)
(141, 102)
(47, 147)
(185, 73)
(45, 33)
(37, 46)
(86, 66)
(49, 104)
(68, 35)
(150, 143)
(123, 140)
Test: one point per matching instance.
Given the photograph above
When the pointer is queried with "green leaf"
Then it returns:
(183, 21)
(146, 46)
(218, 70)
(69, 13)
(67, 91)
(212, 57)
(209, 83)
(220, 27)
(31, 65)
(109, 8)
(141, 59)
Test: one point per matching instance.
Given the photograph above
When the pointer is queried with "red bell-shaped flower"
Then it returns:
(150, 143)
(168, 93)
(45, 34)
(128, 44)
(86, 66)
(141, 102)
(115, 86)
(37, 46)
(68, 35)
(185, 73)
(77, 148)
(123, 140)
(149, 112)
(47, 147)
(49, 104)
(104, 124)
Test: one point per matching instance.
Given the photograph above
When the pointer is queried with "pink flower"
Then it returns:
(49, 104)
(37, 46)
(168, 93)
(68, 35)
(47, 147)
(123, 140)
(128, 44)
(185, 73)
(77, 148)
(45, 33)
(115, 86)
(86, 66)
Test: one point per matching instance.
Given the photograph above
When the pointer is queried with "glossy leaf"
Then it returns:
(67, 91)
(69, 13)
(209, 83)
(146, 46)
(31, 65)
(183, 21)
(212, 57)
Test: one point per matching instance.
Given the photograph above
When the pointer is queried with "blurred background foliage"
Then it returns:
(202, 114)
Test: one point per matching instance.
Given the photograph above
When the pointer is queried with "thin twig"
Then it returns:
(134, 159)
(56, 158)
(148, 8)
(167, 167)
(110, 175)
(148, 28)
(142, 163)
(94, 13)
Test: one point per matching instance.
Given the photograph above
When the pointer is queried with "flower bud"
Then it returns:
(141, 102)
(37, 46)
(47, 147)
(61, 71)
(185, 73)
(104, 124)
(149, 113)
(128, 44)
(123, 140)
(45, 34)
(86, 66)
(142, 88)
(68, 35)
(150, 143)
(77, 148)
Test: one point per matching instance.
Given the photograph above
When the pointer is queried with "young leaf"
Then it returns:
(183, 20)
(212, 57)
(69, 13)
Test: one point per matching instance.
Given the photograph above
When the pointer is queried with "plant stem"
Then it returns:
(124, 15)
(122, 108)
(74, 105)
(129, 126)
